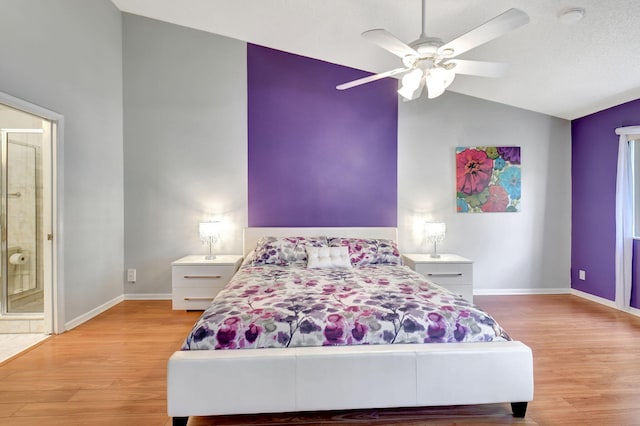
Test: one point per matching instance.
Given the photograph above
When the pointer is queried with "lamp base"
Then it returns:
(210, 257)
(435, 255)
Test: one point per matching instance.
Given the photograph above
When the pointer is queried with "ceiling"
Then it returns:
(567, 71)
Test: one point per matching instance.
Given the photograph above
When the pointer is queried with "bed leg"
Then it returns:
(519, 409)
(182, 421)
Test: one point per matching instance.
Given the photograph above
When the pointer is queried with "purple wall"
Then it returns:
(319, 156)
(593, 171)
(635, 292)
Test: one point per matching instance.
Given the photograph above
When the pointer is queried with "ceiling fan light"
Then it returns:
(444, 75)
(406, 93)
(411, 80)
(438, 80)
(409, 93)
(434, 89)
(412, 84)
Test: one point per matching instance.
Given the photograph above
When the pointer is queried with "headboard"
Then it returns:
(252, 235)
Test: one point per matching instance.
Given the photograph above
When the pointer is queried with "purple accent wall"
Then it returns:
(319, 156)
(594, 155)
(635, 292)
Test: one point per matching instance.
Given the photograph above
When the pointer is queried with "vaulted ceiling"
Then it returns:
(555, 68)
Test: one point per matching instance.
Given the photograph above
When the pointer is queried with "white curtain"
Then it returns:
(624, 215)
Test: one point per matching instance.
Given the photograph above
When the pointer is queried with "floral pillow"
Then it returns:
(363, 251)
(285, 250)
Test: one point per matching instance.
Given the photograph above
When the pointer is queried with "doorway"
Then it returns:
(27, 145)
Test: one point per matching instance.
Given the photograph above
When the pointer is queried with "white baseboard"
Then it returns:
(110, 304)
(92, 313)
(517, 291)
(147, 296)
(597, 299)
(605, 302)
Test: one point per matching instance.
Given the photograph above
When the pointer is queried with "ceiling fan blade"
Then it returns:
(479, 68)
(371, 78)
(490, 30)
(389, 42)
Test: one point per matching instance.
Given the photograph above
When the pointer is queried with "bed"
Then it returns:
(315, 365)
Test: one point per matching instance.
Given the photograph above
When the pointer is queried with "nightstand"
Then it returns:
(195, 280)
(453, 272)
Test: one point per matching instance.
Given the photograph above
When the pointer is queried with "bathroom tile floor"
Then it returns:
(13, 344)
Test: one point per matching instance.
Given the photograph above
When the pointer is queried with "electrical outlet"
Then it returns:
(131, 275)
(582, 275)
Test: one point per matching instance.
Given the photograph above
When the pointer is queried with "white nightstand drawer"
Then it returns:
(465, 291)
(193, 298)
(196, 280)
(447, 274)
(201, 276)
(453, 272)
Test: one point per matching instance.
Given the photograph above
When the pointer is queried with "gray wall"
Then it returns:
(513, 252)
(66, 56)
(185, 145)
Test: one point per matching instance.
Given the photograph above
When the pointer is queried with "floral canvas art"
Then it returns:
(488, 179)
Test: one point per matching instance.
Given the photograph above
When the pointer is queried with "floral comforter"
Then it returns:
(272, 306)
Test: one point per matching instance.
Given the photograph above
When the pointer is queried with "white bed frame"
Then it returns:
(202, 383)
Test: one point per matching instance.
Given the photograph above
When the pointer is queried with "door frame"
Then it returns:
(54, 313)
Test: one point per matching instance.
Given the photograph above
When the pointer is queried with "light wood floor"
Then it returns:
(112, 371)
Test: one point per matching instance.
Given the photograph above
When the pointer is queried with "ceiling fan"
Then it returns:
(431, 62)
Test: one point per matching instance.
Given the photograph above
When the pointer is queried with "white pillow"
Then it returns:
(328, 257)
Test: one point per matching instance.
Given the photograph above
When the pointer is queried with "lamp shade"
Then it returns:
(209, 230)
(209, 234)
(434, 232)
